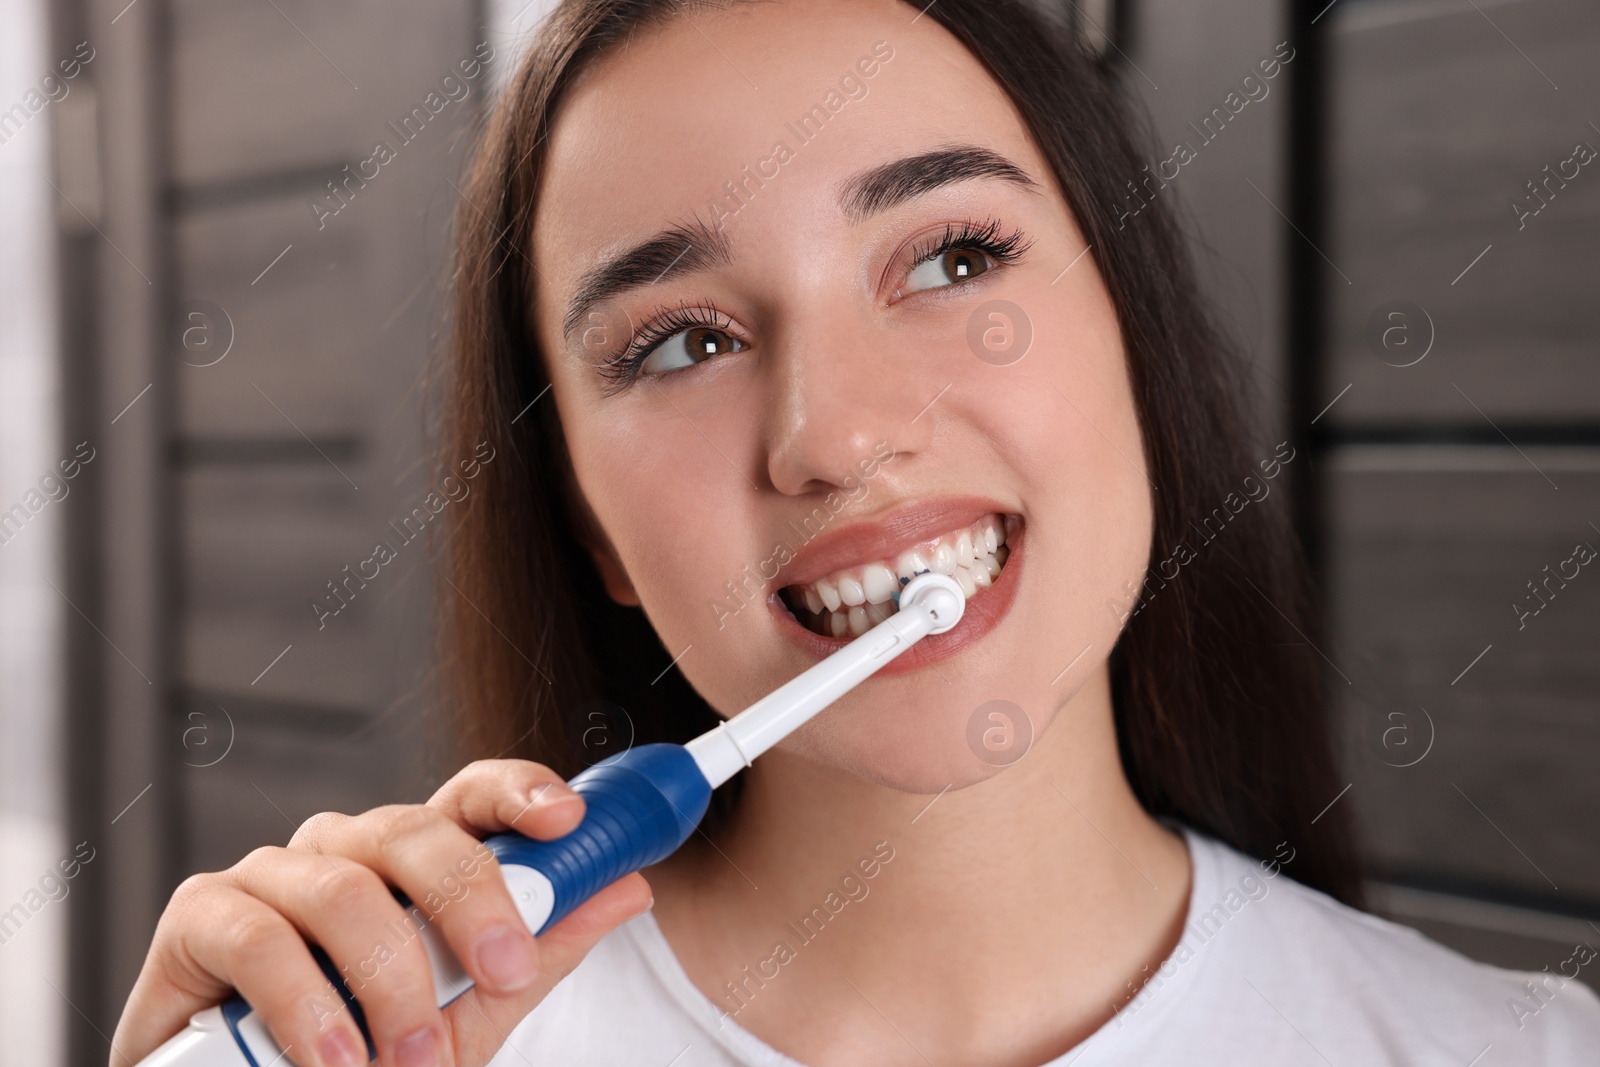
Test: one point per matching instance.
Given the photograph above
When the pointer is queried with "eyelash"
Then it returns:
(622, 368)
(988, 237)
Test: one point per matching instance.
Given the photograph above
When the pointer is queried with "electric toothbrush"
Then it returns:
(641, 805)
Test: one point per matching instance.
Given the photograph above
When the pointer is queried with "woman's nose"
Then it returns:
(840, 389)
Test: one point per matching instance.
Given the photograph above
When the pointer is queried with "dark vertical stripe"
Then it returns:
(1307, 303)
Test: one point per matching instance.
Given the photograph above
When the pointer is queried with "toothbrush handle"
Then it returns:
(641, 805)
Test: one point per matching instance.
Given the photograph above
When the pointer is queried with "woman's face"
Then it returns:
(828, 392)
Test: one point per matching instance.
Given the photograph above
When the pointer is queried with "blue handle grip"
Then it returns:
(642, 804)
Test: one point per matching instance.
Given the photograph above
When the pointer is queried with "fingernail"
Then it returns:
(420, 1049)
(563, 804)
(338, 1049)
(553, 794)
(507, 959)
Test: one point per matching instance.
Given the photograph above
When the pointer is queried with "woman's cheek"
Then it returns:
(699, 579)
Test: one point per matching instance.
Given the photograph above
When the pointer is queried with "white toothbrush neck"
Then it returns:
(925, 607)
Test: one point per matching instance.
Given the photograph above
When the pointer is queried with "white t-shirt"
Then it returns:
(1266, 971)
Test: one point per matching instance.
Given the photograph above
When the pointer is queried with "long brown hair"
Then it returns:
(1220, 709)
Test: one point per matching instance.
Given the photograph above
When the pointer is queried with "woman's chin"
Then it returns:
(930, 781)
(924, 764)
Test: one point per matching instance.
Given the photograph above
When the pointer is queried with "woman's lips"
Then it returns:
(983, 613)
(850, 601)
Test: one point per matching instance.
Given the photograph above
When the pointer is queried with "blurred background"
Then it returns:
(212, 404)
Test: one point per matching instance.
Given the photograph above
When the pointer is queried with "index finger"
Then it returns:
(520, 795)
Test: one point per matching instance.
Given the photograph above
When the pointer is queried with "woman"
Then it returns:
(821, 291)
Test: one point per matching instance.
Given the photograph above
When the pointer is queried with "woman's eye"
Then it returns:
(947, 268)
(688, 347)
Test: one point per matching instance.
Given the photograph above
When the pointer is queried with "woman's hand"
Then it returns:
(246, 929)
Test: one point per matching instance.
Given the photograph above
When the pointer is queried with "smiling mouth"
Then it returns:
(851, 601)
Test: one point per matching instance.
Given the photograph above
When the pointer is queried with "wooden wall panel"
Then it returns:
(1431, 548)
(261, 89)
(261, 543)
(301, 329)
(284, 764)
(295, 450)
(1438, 125)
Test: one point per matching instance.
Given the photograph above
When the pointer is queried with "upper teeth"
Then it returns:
(857, 598)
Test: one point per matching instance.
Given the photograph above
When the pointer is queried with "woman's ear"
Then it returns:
(589, 534)
(615, 579)
(612, 574)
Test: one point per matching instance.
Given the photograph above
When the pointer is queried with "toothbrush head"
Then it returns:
(937, 594)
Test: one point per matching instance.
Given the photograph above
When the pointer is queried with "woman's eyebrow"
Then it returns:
(677, 250)
(685, 249)
(882, 187)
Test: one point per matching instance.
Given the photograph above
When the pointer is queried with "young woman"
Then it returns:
(759, 306)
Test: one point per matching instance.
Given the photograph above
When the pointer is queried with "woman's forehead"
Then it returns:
(772, 104)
